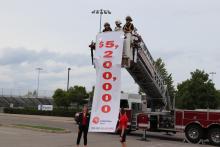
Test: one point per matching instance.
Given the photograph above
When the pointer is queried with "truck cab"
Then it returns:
(133, 105)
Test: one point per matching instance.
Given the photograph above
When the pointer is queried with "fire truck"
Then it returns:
(198, 125)
(132, 103)
(161, 115)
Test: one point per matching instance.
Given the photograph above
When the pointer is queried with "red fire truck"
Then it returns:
(161, 116)
(133, 105)
(197, 124)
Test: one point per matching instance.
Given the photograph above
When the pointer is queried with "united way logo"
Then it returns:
(95, 120)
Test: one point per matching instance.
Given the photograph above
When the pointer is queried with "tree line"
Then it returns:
(75, 96)
(197, 92)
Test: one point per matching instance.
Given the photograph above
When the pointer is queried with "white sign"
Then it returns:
(106, 101)
(45, 107)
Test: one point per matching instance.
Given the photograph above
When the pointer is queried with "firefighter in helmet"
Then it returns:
(128, 27)
(118, 26)
(107, 27)
(127, 50)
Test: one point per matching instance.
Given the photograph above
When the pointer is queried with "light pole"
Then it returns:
(101, 12)
(68, 79)
(38, 80)
(212, 73)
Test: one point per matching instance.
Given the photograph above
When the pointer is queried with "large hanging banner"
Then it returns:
(106, 100)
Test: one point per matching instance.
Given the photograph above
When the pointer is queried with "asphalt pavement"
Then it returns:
(15, 137)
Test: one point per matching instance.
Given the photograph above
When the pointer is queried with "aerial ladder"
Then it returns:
(142, 69)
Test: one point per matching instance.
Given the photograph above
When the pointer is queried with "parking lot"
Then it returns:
(16, 137)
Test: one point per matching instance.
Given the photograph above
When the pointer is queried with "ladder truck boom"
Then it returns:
(148, 78)
(142, 69)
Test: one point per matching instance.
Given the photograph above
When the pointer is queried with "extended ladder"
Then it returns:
(148, 78)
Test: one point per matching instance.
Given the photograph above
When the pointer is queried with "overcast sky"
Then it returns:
(54, 35)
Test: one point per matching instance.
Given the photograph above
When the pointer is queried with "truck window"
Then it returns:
(136, 106)
(124, 104)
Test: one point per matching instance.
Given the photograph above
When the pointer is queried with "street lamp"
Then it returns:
(38, 80)
(68, 78)
(101, 12)
(212, 73)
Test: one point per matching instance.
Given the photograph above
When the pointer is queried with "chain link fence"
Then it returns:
(26, 93)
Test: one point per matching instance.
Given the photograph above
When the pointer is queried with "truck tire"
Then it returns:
(194, 133)
(214, 136)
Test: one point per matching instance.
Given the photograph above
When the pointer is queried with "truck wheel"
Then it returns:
(214, 136)
(194, 133)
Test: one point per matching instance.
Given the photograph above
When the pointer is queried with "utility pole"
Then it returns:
(68, 79)
(101, 12)
(38, 80)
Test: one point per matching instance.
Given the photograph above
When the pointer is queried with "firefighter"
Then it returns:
(128, 27)
(128, 51)
(118, 25)
(107, 27)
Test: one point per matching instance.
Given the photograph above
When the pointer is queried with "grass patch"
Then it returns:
(42, 128)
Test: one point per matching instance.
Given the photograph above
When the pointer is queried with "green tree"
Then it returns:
(78, 95)
(61, 99)
(198, 92)
(91, 95)
(218, 97)
(161, 67)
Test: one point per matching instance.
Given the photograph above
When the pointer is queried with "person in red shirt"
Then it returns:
(83, 122)
(123, 120)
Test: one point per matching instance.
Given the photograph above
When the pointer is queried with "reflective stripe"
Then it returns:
(143, 125)
(180, 127)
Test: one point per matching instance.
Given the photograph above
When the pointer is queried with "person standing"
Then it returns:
(118, 26)
(83, 122)
(107, 27)
(128, 27)
(128, 51)
(123, 120)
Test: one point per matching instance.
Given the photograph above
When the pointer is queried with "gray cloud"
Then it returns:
(184, 33)
(17, 70)
(21, 55)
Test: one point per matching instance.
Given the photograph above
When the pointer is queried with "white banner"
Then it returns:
(106, 100)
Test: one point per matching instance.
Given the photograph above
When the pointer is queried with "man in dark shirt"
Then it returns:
(83, 122)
